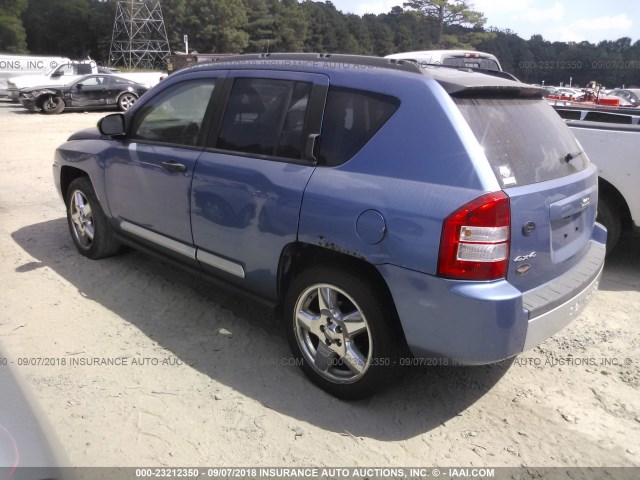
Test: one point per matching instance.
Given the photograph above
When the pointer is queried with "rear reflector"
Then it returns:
(475, 240)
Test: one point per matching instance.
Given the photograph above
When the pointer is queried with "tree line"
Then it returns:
(80, 28)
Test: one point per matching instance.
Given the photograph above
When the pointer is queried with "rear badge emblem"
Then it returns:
(524, 258)
(585, 202)
(522, 269)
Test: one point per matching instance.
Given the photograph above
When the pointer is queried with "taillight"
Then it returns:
(475, 240)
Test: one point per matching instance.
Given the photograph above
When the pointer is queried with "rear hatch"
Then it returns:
(542, 168)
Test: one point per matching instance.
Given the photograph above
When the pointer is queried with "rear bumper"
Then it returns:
(485, 322)
(548, 324)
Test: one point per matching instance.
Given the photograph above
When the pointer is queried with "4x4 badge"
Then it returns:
(524, 258)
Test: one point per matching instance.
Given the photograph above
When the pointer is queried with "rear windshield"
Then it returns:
(465, 62)
(525, 140)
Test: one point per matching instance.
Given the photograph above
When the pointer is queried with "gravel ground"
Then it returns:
(207, 381)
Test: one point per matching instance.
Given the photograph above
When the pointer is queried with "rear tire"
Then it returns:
(343, 331)
(610, 218)
(52, 104)
(90, 230)
(126, 101)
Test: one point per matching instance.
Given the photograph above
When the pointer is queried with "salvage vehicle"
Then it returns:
(69, 72)
(389, 212)
(451, 58)
(89, 92)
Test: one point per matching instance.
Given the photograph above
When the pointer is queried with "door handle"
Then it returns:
(174, 167)
(310, 150)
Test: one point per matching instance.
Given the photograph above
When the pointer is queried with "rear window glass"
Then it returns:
(525, 140)
(462, 62)
(351, 119)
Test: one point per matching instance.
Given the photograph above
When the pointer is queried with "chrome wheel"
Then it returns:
(333, 334)
(127, 101)
(81, 219)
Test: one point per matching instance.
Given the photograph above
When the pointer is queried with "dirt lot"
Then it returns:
(211, 387)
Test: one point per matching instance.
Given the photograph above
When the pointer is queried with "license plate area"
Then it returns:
(571, 222)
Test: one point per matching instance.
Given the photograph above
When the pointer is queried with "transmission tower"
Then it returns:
(139, 37)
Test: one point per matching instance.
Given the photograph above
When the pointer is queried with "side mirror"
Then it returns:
(79, 86)
(112, 125)
(57, 73)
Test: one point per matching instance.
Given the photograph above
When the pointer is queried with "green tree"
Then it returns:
(217, 26)
(260, 26)
(290, 26)
(58, 27)
(447, 13)
(13, 37)
(381, 34)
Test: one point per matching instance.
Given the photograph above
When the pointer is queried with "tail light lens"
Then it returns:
(475, 240)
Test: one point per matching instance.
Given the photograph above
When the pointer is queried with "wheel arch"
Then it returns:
(607, 190)
(40, 100)
(298, 256)
(69, 174)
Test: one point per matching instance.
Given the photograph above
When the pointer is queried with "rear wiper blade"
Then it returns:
(571, 156)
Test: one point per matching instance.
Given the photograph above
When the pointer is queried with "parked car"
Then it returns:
(91, 91)
(611, 138)
(384, 208)
(631, 95)
(452, 58)
(69, 72)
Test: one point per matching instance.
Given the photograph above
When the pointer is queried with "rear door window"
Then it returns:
(525, 140)
(351, 119)
(266, 117)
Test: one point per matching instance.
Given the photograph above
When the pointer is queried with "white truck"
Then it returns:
(611, 139)
(70, 71)
(14, 65)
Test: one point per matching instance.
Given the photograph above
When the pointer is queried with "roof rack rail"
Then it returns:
(356, 60)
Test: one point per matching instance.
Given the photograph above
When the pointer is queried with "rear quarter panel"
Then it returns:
(422, 165)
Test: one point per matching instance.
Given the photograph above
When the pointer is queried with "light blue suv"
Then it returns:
(390, 212)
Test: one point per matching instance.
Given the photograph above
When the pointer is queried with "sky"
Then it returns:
(555, 20)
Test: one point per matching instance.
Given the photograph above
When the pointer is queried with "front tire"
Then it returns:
(91, 233)
(52, 104)
(344, 331)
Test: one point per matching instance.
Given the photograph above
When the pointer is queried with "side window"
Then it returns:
(83, 69)
(66, 70)
(351, 119)
(93, 81)
(175, 116)
(266, 117)
(120, 81)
